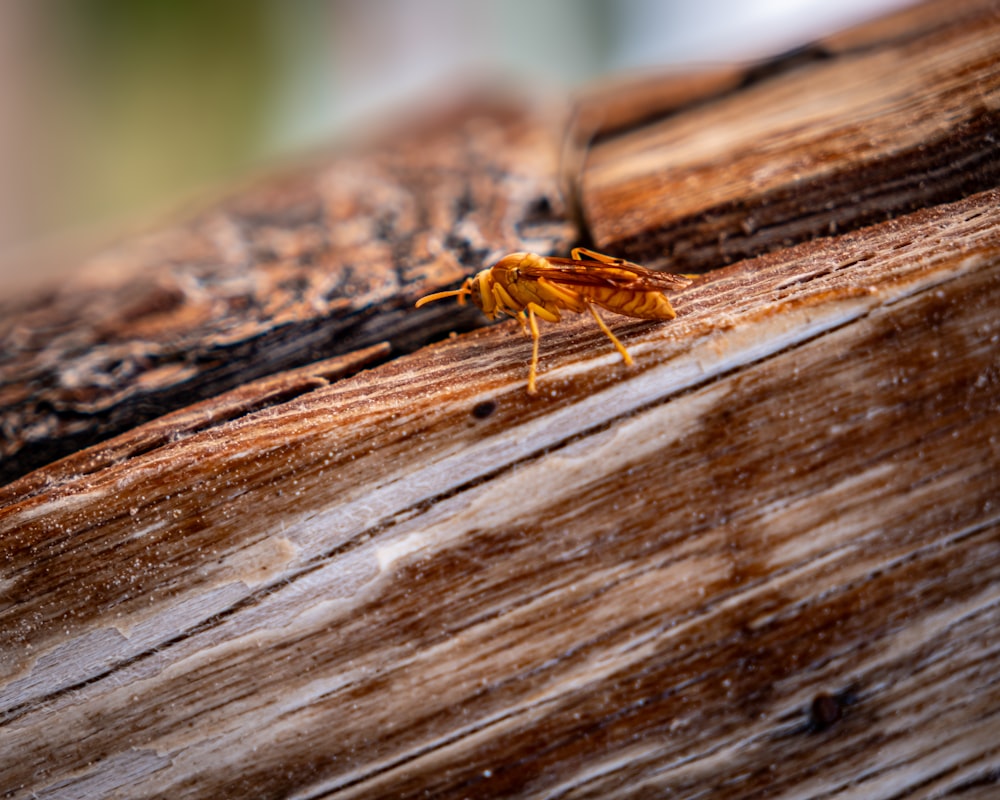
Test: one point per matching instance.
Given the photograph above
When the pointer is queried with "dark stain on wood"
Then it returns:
(824, 711)
(484, 409)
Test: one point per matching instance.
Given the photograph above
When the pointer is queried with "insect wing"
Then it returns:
(594, 273)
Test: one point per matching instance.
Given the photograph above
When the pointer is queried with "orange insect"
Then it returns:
(525, 286)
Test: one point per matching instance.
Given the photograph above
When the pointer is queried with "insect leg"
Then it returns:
(521, 317)
(614, 340)
(533, 370)
(503, 299)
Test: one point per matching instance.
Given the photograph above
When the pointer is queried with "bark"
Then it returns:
(305, 264)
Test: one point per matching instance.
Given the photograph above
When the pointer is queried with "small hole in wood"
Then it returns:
(484, 409)
(824, 711)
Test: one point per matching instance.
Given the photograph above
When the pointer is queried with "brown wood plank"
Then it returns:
(316, 260)
(864, 132)
(621, 103)
(765, 562)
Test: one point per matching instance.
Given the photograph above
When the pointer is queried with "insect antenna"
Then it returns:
(460, 293)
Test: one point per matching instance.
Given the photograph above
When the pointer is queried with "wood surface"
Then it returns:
(825, 145)
(763, 562)
(308, 263)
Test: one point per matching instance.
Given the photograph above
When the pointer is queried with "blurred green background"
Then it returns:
(111, 108)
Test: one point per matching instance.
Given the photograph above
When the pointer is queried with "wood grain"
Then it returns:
(765, 562)
(622, 103)
(313, 261)
(866, 130)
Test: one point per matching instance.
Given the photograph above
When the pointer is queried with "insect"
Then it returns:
(528, 286)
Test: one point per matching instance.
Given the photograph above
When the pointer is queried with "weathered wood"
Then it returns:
(763, 562)
(643, 581)
(262, 393)
(621, 103)
(314, 261)
(866, 131)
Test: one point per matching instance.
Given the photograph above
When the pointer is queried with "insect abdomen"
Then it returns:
(638, 304)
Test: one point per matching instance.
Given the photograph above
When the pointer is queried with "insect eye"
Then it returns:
(476, 291)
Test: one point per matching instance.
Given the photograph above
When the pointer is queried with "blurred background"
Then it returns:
(113, 108)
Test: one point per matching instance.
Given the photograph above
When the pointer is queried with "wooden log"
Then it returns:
(619, 104)
(307, 263)
(861, 132)
(677, 577)
(762, 562)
